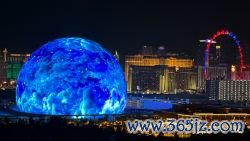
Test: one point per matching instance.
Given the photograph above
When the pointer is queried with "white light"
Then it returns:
(207, 41)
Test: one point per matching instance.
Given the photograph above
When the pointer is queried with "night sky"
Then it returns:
(120, 25)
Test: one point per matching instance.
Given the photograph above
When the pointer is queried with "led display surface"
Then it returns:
(71, 76)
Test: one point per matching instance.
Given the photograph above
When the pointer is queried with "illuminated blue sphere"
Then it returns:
(71, 76)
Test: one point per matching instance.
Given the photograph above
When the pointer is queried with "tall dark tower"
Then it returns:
(5, 54)
(3, 65)
(200, 52)
(116, 55)
(215, 55)
(218, 54)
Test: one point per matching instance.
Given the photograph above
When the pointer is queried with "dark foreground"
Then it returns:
(58, 130)
(91, 133)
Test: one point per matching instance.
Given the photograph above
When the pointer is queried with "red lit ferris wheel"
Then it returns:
(213, 38)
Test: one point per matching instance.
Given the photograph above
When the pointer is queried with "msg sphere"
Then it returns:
(71, 76)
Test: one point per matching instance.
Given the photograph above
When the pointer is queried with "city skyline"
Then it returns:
(103, 70)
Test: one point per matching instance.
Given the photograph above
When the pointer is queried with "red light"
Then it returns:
(214, 36)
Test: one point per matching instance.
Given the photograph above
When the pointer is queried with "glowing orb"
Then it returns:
(71, 76)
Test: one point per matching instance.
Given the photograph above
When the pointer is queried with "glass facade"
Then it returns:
(13, 70)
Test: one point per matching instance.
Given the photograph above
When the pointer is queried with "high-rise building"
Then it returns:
(10, 65)
(3, 65)
(179, 80)
(228, 90)
(14, 64)
(154, 60)
(214, 57)
(217, 54)
(146, 78)
(212, 89)
(159, 72)
(162, 79)
(217, 72)
(5, 55)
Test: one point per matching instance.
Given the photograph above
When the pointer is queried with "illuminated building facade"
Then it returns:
(10, 65)
(162, 71)
(146, 79)
(217, 73)
(154, 60)
(245, 72)
(212, 89)
(228, 90)
(14, 65)
(180, 80)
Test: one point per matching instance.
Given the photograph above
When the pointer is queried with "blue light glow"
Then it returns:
(71, 76)
(237, 42)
